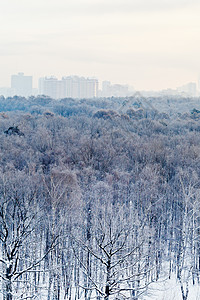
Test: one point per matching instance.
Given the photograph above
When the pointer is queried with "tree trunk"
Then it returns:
(186, 292)
(8, 290)
(107, 289)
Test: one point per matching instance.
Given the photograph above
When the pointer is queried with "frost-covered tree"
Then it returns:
(20, 224)
(117, 245)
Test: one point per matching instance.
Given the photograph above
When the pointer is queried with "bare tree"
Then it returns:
(20, 217)
(119, 252)
(188, 233)
(63, 197)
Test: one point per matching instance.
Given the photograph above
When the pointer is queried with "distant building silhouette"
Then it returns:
(115, 90)
(48, 86)
(7, 92)
(22, 85)
(189, 89)
(68, 87)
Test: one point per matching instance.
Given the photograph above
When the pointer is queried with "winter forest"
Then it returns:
(100, 198)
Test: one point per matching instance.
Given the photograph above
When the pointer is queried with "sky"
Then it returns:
(148, 44)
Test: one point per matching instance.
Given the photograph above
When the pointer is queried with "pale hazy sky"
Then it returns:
(150, 44)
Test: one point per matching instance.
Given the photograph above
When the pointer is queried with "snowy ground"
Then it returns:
(166, 289)
(170, 290)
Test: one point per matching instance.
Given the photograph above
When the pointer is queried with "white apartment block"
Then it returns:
(68, 87)
(21, 85)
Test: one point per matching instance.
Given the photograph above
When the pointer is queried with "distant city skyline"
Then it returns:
(35, 80)
(151, 45)
(74, 86)
(7, 81)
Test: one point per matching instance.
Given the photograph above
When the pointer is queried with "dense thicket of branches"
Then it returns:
(96, 202)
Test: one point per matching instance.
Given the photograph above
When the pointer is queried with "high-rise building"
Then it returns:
(49, 86)
(68, 87)
(22, 85)
(81, 87)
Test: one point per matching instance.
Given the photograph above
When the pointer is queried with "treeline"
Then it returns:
(98, 203)
(172, 105)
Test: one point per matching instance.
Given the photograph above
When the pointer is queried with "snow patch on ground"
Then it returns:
(169, 289)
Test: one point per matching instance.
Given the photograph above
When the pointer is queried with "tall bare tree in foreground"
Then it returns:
(120, 258)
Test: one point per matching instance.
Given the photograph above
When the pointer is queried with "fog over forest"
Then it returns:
(99, 198)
